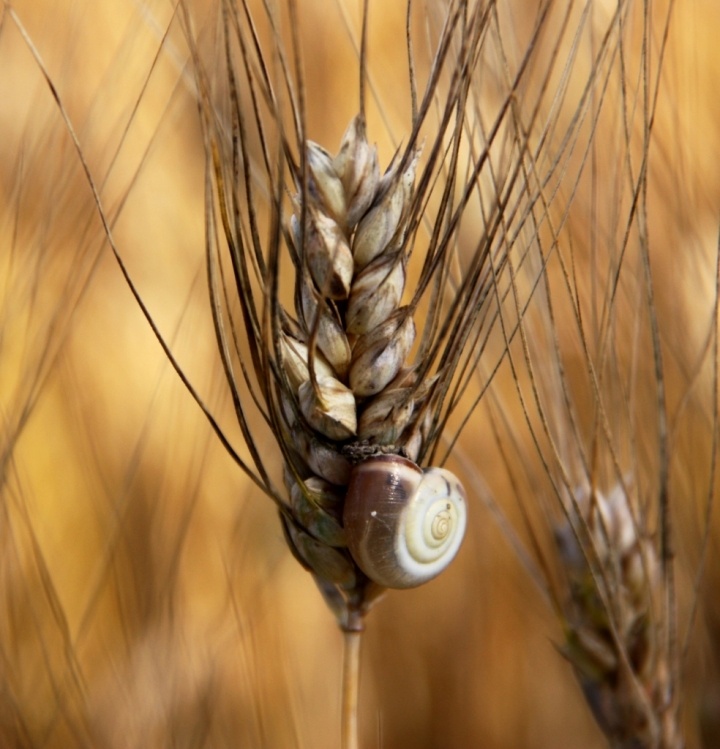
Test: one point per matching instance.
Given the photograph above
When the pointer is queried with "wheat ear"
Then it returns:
(353, 401)
(615, 632)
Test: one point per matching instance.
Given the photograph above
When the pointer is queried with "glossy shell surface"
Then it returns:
(404, 525)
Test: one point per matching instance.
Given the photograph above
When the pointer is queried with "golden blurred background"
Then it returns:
(147, 595)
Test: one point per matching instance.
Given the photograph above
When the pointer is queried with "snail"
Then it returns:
(404, 525)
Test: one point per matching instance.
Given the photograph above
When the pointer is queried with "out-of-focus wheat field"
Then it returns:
(147, 597)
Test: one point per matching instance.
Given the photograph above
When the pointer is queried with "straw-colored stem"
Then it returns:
(350, 688)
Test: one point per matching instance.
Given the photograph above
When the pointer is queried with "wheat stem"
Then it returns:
(350, 688)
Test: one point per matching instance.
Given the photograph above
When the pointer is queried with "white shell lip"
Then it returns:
(392, 538)
(423, 552)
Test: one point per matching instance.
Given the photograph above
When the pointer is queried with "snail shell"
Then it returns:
(403, 525)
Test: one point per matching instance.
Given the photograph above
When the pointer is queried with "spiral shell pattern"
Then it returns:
(403, 525)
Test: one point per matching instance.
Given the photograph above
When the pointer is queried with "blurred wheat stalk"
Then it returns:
(549, 169)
